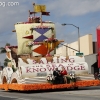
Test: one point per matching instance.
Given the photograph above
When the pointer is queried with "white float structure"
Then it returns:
(34, 72)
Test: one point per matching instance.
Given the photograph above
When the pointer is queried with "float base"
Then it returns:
(48, 86)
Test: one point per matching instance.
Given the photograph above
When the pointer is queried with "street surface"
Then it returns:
(87, 93)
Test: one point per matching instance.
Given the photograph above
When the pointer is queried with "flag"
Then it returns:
(41, 50)
(46, 13)
(29, 37)
(39, 8)
(31, 12)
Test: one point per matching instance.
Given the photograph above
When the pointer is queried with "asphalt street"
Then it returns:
(87, 93)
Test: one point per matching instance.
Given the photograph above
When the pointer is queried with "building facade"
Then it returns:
(87, 47)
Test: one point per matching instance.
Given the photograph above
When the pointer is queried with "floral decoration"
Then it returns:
(47, 86)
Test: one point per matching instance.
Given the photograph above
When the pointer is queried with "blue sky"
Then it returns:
(83, 13)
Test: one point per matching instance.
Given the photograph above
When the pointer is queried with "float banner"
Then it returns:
(40, 70)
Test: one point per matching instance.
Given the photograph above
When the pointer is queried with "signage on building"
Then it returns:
(79, 54)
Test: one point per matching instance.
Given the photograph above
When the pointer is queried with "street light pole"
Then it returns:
(78, 40)
(78, 34)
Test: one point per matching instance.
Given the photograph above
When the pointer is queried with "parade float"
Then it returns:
(31, 64)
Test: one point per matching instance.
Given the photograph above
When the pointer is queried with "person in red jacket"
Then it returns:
(64, 73)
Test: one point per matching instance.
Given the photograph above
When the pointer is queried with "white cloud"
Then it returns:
(67, 36)
(73, 7)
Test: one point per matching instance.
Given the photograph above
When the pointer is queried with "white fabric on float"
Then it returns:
(15, 76)
(38, 70)
(21, 62)
(7, 72)
(26, 80)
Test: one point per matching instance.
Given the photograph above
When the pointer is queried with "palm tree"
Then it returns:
(6, 62)
(7, 44)
(2, 49)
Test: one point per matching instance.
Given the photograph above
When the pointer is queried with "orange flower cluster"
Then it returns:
(87, 83)
(47, 86)
(27, 87)
(62, 86)
(4, 86)
(1, 86)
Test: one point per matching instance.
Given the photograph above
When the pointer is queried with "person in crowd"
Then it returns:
(56, 74)
(96, 75)
(63, 74)
(99, 75)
